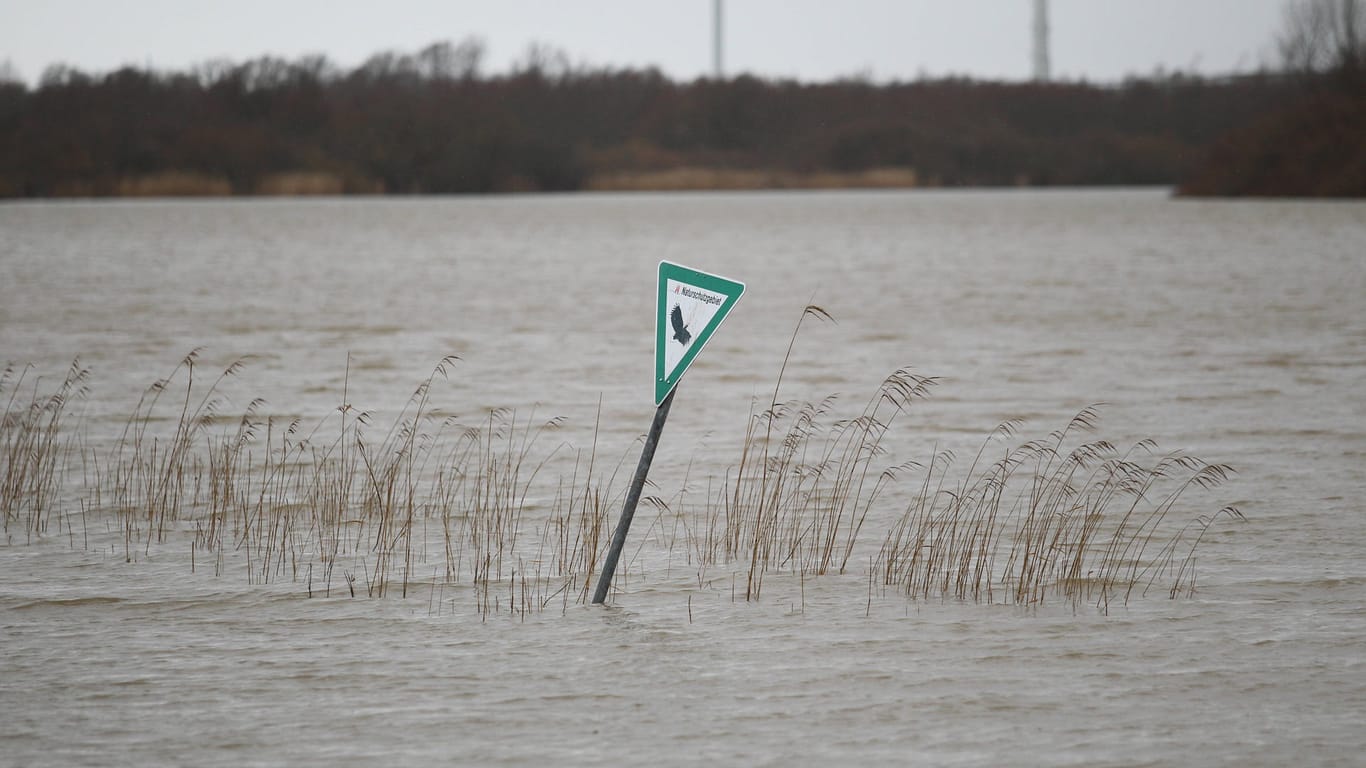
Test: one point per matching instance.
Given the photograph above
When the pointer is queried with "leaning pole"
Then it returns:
(628, 512)
(689, 307)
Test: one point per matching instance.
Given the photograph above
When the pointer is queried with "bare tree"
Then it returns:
(542, 60)
(438, 61)
(443, 61)
(9, 73)
(1323, 36)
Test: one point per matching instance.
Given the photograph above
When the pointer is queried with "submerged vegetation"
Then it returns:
(506, 510)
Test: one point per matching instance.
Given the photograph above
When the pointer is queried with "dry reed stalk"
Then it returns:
(483, 490)
(148, 478)
(1079, 527)
(1058, 517)
(801, 501)
(580, 520)
(34, 451)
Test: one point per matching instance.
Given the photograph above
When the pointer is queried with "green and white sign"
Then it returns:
(691, 306)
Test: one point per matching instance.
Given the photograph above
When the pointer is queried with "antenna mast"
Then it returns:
(1040, 40)
(716, 14)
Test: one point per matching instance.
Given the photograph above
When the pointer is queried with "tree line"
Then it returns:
(432, 122)
(1311, 146)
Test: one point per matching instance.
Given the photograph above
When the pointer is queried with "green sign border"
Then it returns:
(731, 289)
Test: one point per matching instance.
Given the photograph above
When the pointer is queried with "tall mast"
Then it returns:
(1040, 40)
(716, 40)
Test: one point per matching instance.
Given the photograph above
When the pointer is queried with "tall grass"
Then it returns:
(150, 475)
(35, 445)
(504, 512)
(802, 490)
(1080, 521)
(380, 502)
(1054, 517)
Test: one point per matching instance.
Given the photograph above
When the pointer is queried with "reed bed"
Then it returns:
(1064, 516)
(800, 493)
(506, 513)
(1082, 523)
(36, 443)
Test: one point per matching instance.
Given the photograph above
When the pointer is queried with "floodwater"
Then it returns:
(1232, 330)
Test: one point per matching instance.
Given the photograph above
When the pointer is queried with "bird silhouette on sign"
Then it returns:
(681, 334)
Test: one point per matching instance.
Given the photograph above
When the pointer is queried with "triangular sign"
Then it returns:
(691, 306)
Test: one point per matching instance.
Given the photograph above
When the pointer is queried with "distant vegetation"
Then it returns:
(1314, 144)
(433, 122)
(1314, 147)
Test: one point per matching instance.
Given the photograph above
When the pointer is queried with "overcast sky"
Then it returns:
(1100, 40)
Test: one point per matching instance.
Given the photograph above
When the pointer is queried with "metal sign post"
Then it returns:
(628, 512)
(689, 309)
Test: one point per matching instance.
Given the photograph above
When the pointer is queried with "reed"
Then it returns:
(389, 484)
(1049, 518)
(504, 513)
(150, 475)
(803, 489)
(482, 493)
(35, 445)
(1053, 517)
(581, 517)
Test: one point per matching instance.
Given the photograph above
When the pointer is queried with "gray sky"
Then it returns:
(1101, 40)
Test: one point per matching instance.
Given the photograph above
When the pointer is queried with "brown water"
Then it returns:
(1235, 330)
